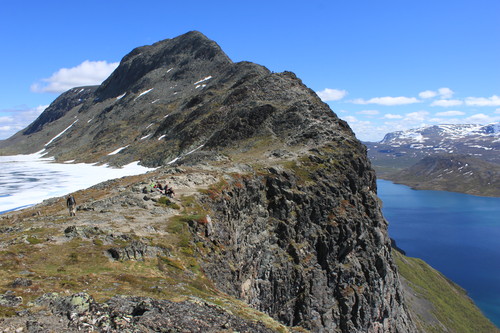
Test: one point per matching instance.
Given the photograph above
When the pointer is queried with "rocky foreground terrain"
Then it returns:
(275, 225)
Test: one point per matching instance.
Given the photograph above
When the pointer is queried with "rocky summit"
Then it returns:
(275, 224)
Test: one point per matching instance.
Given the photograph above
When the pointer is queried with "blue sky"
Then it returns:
(381, 65)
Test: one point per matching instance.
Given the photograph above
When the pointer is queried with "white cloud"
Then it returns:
(450, 113)
(417, 116)
(447, 102)
(350, 119)
(392, 116)
(497, 111)
(427, 94)
(15, 120)
(481, 118)
(86, 74)
(331, 94)
(401, 100)
(369, 112)
(445, 93)
(483, 101)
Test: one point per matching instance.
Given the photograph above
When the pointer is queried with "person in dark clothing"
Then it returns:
(170, 192)
(71, 204)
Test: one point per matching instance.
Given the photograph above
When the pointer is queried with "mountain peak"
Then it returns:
(190, 52)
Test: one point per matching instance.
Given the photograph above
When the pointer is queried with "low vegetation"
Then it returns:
(438, 304)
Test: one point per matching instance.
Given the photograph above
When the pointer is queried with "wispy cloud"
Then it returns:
(86, 74)
(14, 120)
(481, 118)
(427, 94)
(369, 112)
(450, 113)
(483, 101)
(443, 93)
(392, 116)
(401, 100)
(328, 94)
(447, 102)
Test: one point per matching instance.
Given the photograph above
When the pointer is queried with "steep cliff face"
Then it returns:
(306, 243)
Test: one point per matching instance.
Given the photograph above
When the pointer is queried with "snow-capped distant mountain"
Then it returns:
(480, 141)
(462, 158)
(440, 134)
(400, 154)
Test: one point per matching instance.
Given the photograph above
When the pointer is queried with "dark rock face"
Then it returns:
(312, 252)
(60, 107)
(186, 56)
(135, 251)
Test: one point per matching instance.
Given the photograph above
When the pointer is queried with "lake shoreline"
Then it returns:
(455, 233)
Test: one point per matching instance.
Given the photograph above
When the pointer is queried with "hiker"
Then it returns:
(170, 192)
(159, 187)
(71, 204)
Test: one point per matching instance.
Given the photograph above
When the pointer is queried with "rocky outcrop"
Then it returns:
(308, 247)
(121, 314)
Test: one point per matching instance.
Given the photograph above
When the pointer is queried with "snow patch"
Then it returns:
(143, 93)
(203, 80)
(174, 160)
(161, 137)
(121, 96)
(58, 135)
(118, 150)
(145, 137)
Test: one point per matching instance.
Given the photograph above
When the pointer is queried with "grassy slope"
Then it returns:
(437, 304)
(37, 249)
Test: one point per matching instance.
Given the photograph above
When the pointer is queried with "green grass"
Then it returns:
(450, 304)
(167, 202)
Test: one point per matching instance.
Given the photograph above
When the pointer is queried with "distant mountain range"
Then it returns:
(433, 157)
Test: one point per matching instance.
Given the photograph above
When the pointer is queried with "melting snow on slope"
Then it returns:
(203, 80)
(118, 150)
(121, 96)
(58, 135)
(29, 179)
(181, 156)
(143, 93)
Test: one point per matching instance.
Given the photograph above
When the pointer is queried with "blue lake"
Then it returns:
(458, 234)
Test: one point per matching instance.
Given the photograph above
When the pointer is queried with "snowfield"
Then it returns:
(29, 179)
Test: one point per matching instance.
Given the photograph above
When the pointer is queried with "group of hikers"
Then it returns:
(168, 191)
